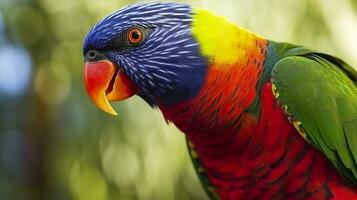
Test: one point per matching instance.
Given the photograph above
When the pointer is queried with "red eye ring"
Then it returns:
(135, 36)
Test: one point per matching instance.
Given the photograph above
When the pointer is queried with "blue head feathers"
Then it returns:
(166, 66)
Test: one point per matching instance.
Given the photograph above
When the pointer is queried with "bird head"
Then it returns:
(159, 51)
(147, 50)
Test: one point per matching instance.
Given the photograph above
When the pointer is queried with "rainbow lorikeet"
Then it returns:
(263, 120)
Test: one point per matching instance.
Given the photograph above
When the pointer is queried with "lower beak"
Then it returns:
(104, 82)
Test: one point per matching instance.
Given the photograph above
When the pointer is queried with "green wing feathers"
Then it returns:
(319, 94)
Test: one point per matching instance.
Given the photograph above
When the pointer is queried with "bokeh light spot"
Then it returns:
(52, 84)
(121, 164)
(15, 68)
(86, 183)
(28, 33)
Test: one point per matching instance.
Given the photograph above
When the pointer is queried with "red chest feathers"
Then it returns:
(256, 157)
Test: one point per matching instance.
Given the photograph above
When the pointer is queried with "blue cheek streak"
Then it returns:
(192, 79)
(170, 74)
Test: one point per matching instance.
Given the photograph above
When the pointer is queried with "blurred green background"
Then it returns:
(54, 143)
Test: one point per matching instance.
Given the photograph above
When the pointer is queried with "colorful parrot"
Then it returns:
(263, 119)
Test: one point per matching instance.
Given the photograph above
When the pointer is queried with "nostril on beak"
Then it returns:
(94, 55)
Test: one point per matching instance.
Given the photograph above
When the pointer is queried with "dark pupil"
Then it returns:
(135, 35)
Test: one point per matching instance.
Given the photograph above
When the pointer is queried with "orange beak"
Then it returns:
(104, 82)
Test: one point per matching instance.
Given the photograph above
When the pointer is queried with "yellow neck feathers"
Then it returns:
(220, 40)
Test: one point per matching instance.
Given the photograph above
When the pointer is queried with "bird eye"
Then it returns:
(135, 36)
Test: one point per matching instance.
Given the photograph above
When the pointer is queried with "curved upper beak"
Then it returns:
(104, 83)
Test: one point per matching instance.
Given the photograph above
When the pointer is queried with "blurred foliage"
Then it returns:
(54, 143)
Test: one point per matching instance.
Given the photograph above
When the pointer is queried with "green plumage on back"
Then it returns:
(319, 94)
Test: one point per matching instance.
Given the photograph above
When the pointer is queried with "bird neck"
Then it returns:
(223, 43)
(229, 89)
